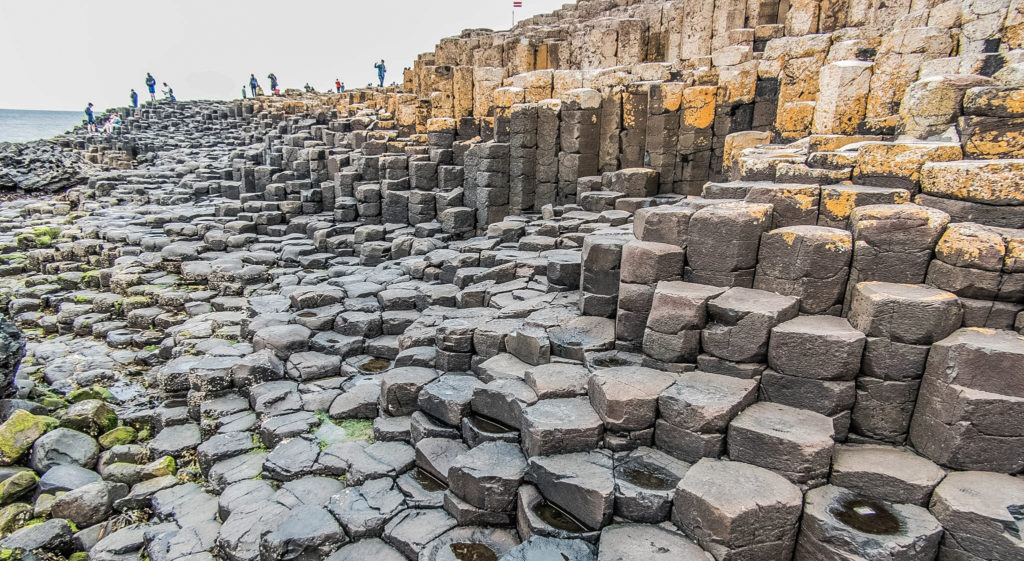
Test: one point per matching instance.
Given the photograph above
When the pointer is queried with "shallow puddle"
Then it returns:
(647, 476)
(375, 365)
(428, 482)
(558, 518)
(484, 424)
(610, 362)
(473, 552)
(868, 516)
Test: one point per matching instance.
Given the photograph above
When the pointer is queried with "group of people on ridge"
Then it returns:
(114, 120)
(257, 89)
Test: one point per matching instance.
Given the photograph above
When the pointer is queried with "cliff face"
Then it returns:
(775, 49)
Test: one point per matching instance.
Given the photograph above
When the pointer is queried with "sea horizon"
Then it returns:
(27, 125)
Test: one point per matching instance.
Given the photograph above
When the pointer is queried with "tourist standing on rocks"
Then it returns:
(169, 93)
(90, 121)
(343, 86)
(243, 92)
(151, 84)
(273, 82)
(337, 85)
(253, 84)
(135, 99)
(381, 70)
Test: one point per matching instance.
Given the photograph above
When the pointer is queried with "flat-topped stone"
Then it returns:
(796, 443)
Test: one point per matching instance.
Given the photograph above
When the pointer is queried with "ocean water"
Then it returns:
(17, 125)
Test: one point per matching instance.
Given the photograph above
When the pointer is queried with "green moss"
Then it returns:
(92, 392)
(358, 429)
(47, 231)
(19, 432)
(162, 466)
(117, 436)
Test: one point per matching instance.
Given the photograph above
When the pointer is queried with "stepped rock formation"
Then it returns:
(633, 280)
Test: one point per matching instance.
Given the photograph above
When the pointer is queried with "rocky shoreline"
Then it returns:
(520, 314)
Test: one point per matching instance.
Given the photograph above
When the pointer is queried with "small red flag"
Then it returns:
(517, 4)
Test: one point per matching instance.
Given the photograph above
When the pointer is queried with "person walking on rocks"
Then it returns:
(151, 84)
(90, 121)
(273, 82)
(337, 85)
(135, 99)
(381, 70)
(253, 84)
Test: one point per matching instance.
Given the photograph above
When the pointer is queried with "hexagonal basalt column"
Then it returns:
(839, 524)
(738, 511)
(972, 400)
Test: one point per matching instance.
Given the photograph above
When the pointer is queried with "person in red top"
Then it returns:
(337, 85)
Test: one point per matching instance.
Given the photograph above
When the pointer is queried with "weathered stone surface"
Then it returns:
(793, 442)
(620, 542)
(738, 511)
(839, 523)
(558, 426)
(488, 475)
(885, 473)
(740, 321)
(969, 394)
(976, 509)
(626, 397)
(582, 484)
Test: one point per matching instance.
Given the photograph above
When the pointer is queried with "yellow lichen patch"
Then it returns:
(995, 182)
(699, 106)
(972, 246)
(790, 237)
(984, 330)
(995, 144)
(672, 95)
(1014, 252)
(804, 201)
(839, 204)
(628, 116)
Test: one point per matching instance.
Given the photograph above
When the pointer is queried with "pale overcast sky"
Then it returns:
(62, 54)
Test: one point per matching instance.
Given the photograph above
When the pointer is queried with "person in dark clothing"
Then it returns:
(273, 82)
(253, 83)
(151, 84)
(135, 99)
(90, 121)
(381, 70)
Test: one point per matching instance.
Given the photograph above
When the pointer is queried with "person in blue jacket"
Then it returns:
(135, 99)
(253, 84)
(381, 70)
(151, 84)
(90, 121)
